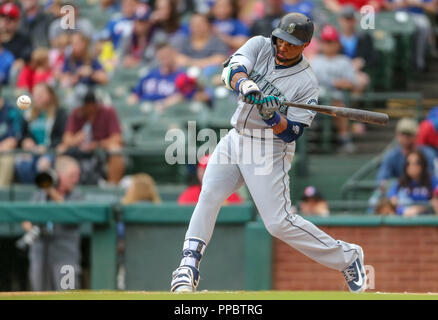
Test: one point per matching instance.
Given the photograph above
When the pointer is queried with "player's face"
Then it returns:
(286, 53)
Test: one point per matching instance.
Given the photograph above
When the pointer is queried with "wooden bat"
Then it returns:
(350, 113)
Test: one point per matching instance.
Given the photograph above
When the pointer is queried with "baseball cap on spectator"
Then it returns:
(311, 193)
(185, 84)
(407, 126)
(203, 161)
(142, 13)
(10, 10)
(329, 33)
(348, 12)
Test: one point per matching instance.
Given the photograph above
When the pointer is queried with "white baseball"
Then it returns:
(23, 102)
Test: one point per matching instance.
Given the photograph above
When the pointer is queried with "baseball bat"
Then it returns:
(341, 112)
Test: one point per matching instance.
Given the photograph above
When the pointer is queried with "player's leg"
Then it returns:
(271, 195)
(222, 177)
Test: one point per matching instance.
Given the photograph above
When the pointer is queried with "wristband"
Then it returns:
(274, 120)
(238, 84)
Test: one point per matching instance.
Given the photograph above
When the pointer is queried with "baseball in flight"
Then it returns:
(23, 102)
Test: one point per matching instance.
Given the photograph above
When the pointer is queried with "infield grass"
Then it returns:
(214, 295)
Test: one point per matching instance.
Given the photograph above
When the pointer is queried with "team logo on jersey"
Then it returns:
(291, 28)
(296, 129)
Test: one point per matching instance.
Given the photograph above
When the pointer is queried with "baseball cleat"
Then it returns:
(184, 279)
(355, 274)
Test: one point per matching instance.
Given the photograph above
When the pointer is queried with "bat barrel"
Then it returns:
(363, 115)
(349, 113)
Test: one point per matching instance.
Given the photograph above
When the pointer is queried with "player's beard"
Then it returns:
(287, 61)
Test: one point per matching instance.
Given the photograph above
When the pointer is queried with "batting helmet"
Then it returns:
(294, 28)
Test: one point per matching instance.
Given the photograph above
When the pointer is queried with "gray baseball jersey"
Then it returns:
(297, 84)
(270, 191)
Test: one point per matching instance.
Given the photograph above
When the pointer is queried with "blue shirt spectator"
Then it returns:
(394, 159)
(73, 66)
(232, 27)
(304, 7)
(6, 62)
(156, 85)
(413, 186)
(409, 195)
(119, 28)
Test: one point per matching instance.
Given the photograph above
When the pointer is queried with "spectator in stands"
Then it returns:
(336, 75)
(418, 11)
(44, 130)
(428, 131)
(313, 203)
(80, 66)
(166, 18)
(158, 85)
(141, 188)
(337, 5)
(226, 25)
(81, 24)
(37, 71)
(121, 26)
(385, 207)
(140, 46)
(57, 54)
(273, 11)
(192, 90)
(416, 184)
(57, 245)
(35, 23)
(11, 133)
(90, 127)
(191, 195)
(394, 160)
(14, 40)
(358, 46)
(6, 62)
(201, 49)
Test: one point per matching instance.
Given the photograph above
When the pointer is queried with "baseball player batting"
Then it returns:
(265, 72)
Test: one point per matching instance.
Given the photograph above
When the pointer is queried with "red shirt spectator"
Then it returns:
(38, 71)
(428, 130)
(190, 196)
(104, 125)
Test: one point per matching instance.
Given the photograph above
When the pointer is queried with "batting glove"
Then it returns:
(249, 91)
(268, 106)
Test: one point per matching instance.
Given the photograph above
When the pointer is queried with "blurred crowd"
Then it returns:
(408, 174)
(175, 41)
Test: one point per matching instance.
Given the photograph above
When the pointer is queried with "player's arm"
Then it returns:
(283, 128)
(238, 67)
(235, 78)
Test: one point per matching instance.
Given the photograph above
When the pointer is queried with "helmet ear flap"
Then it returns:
(274, 40)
